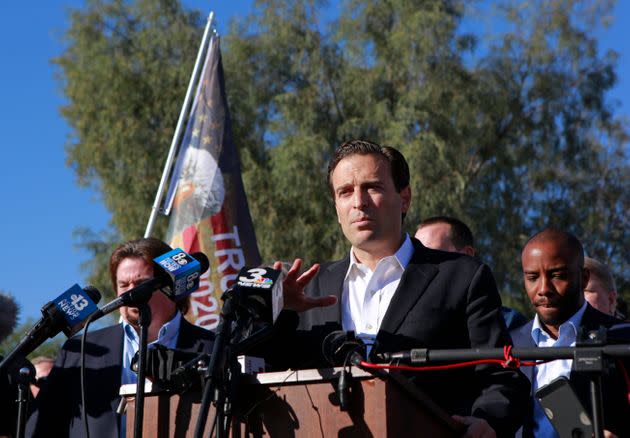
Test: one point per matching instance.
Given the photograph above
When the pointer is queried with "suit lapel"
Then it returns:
(412, 286)
(332, 284)
(522, 337)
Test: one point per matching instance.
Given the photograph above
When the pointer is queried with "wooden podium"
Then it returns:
(304, 403)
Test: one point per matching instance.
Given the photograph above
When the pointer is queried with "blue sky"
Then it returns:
(42, 203)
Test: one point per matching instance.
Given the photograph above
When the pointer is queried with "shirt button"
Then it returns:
(369, 326)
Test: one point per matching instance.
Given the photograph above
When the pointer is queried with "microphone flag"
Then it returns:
(206, 199)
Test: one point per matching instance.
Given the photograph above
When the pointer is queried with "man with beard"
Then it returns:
(554, 277)
(109, 352)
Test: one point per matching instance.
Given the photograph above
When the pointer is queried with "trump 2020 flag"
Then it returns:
(206, 199)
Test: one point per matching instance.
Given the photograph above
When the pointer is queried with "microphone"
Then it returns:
(176, 274)
(258, 291)
(343, 348)
(67, 313)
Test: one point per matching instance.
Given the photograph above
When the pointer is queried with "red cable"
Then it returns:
(508, 362)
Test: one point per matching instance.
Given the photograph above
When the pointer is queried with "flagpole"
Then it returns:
(178, 129)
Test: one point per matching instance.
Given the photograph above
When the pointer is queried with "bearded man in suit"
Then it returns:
(109, 352)
(396, 294)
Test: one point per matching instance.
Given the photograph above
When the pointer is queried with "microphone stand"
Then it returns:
(213, 389)
(144, 321)
(588, 359)
(24, 378)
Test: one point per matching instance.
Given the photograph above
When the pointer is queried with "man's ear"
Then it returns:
(612, 299)
(586, 275)
(468, 250)
(405, 196)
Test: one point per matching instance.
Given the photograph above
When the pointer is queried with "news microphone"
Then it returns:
(67, 313)
(341, 347)
(258, 291)
(176, 274)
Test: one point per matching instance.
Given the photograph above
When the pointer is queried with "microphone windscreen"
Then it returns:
(204, 263)
(338, 345)
(9, 310)
(93, 293)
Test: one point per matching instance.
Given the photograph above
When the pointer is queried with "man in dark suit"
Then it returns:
(397, 294)
(554, 277)
(109, 352)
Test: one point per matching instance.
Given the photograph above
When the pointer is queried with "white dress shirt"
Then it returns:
(367, 294)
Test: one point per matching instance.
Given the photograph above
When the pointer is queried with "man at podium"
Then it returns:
(397, 294)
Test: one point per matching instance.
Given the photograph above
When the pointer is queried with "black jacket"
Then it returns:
(444, 300)
(58, 406)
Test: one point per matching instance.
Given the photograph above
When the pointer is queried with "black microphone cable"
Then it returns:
(82, 373)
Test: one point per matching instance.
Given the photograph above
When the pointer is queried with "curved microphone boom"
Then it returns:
(67, 313)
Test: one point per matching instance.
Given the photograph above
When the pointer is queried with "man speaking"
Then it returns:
(401, 295)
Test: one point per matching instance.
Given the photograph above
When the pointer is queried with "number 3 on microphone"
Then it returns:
(255, 275)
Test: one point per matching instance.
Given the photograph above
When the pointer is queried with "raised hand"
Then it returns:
(293, 288)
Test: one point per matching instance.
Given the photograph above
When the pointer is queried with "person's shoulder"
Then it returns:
(520, 334)
(98, 342)
(593, 319)
(196, 331)
(445, 260)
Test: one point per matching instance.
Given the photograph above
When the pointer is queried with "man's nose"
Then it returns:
(360, 199)
(544, 286)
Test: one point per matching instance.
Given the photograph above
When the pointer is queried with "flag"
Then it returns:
(206, 199)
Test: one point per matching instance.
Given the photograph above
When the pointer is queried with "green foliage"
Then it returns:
(124, 72)
(510, 131)
(50, 348)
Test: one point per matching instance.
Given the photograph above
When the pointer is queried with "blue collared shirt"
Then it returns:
(545, 373)
(167, 336)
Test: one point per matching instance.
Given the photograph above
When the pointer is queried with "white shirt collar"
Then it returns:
(401, 257)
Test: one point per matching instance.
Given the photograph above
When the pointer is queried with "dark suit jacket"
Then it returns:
(58, 407)
(444, 300)
(614, 387)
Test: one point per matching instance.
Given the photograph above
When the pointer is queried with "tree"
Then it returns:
(504, 130)
(124, 72)
(507, 138)
(50, 348)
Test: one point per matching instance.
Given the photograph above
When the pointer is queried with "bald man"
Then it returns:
(600, 291)
(554, 278)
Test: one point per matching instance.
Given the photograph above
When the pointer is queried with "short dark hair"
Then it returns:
(146, 249)
(397, 163)
(460, 234)
(571, 241)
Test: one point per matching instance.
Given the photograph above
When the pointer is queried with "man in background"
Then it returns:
(600, 291)
(109, 352)
(43, 365)
(554, 277)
